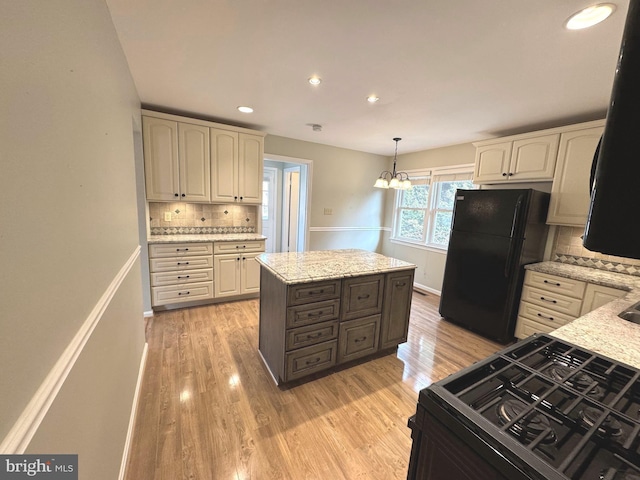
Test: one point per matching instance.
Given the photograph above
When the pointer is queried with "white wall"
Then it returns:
(68, 104)
(343, 182)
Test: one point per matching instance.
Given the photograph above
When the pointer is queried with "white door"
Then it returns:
(269, 190)
(291, 208)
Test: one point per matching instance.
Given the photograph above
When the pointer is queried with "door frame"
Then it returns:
(271, 172)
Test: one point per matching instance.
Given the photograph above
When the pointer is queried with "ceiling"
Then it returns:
(446, 72)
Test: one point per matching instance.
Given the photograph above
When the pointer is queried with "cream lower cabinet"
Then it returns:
(549, 302)
(570, 192)
(180, 272)
(237, 273)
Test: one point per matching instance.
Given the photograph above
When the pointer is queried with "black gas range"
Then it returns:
(540, 409)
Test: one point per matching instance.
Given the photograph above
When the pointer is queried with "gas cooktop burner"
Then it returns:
(529, 427)
(609, 428)
(580, 381)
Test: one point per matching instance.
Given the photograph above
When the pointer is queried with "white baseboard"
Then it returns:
(134, 409)
(31, 417)
(424, 288)
(147, 314)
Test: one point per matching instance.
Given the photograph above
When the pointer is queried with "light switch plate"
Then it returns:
(328, 211)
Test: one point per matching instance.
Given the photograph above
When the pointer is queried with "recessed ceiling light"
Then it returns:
(246, 109)
(315, 80)
(590, 16)
(372, 99)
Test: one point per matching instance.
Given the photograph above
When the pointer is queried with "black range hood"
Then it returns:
(613, 224)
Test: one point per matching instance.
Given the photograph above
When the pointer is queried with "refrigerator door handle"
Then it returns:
(514, 223)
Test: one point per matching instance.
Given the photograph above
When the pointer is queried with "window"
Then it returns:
(423, 214)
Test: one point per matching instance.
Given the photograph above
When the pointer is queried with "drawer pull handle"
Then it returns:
(401, 284)
(182, 249)
(311, 362)
(548, 300)
(314, 314)
(358, 340)
(311, 337)
(183, 263)
(316, 292)
(363, 297)
(552, 283)
(186, 276)
(544, 316)
(184, 293)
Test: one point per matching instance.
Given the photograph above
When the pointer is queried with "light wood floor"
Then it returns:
(209, 409)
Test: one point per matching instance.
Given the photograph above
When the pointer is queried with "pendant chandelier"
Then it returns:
(397, 180)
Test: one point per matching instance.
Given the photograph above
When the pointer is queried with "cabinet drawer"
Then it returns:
(561, 285)
(313, 313)
(362, 296)
(313, 292)
(552, 301)
(181, 293)
(235, 247)
(358, 338)
(179, 249)
(308, 360)
(526, 327)
(178, 263)
(173, 278)
(544, 315)
(311, 334)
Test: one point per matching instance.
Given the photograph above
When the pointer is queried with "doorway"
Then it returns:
(286, 194)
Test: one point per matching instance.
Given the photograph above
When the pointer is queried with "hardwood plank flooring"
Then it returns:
(210, 410)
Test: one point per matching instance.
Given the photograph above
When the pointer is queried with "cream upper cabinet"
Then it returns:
(250, 167)
(236, 166)
(224, 166)
(176, 157)
(160, 138)
(529, 159)
(570, 192)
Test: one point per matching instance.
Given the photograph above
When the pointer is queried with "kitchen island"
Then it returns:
(324, 308)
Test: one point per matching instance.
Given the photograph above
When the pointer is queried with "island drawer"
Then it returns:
(311, 359)
(313, 313)
(358, 338)
(553, 283)
(362, 296)
(177, 263)
(553, 301)
(179, 249)
(311, 334)
(313, 292)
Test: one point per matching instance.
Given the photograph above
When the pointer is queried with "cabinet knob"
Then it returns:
(176, 195)
(510, 174)
(235, 198)
(504, 174)
(241, 198)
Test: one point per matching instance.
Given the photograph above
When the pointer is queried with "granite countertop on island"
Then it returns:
(213, 237)
(303, 267)
(601, 330)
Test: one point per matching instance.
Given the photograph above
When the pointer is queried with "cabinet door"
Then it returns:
(492, 163)
(160, 139)
(397, 305)
(251, 157)
(224, 166)
(534, 159)
(226, 274)
(195, 175)
(250, 273)
(598, 295)
(570, 192)
(358, 338)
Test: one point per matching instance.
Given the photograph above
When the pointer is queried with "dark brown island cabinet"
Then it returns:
(307, 325)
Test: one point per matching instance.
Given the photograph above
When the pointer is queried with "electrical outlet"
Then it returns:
(328, 211)
(167, 216)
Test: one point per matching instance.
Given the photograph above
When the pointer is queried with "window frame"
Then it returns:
(431, 210)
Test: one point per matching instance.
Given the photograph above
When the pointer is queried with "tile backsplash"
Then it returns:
(567, 248)
(202, 218)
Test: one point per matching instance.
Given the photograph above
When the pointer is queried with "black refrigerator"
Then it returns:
(494, 233)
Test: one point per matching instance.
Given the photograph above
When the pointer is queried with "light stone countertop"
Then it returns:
(314, 266)
(213, 237)
(601, 330)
